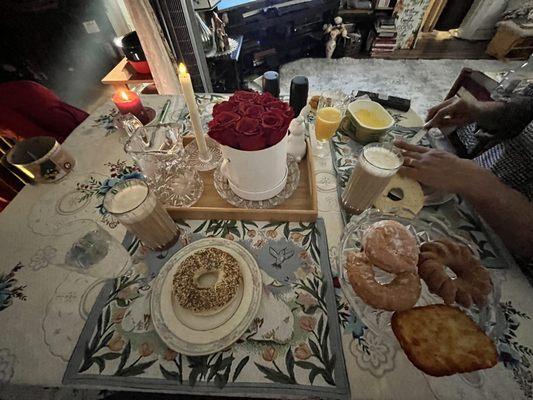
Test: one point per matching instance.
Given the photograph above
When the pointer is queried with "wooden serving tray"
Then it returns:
(301, 206)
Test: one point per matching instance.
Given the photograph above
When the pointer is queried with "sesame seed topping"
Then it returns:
(191, 295)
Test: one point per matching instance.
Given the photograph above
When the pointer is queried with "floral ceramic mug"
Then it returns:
(43, 157)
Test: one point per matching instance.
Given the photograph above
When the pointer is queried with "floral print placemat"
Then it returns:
(293, 348)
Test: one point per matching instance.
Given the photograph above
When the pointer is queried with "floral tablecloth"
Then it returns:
(43, 309)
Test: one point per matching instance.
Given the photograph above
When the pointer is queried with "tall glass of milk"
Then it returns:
(377, 164)
(137, 208)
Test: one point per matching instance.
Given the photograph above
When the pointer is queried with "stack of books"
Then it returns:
(383, 38)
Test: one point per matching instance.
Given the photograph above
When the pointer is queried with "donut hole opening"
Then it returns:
(395, 194)
(450, 272)
(383, 277)
(207, 279)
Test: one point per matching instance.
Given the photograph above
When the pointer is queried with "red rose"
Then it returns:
(273, 120)
(278, 135)
(245, 96)
(247, 126)
(274, 125)
(225, 118)
(243, 107)
(250, 121)
(253, 142)
(224, 135)
(289, 114)
(281, 129)
(230, 137)
(216, 133)
(279, 105)
(254, 111)
(222, 128)
(265, 98)
(233, 100)
(250, 136)
(286, 115)
(224, 106)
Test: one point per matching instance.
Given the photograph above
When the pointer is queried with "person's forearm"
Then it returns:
(488, 114)
(509, 118)
(507, 211)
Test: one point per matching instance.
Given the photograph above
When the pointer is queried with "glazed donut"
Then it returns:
(390, 246)
(472, 284)
(401, 293)
(190, 293)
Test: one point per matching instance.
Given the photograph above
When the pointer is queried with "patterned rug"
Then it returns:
(425, 82)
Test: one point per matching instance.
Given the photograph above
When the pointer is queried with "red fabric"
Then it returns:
(16, 126)
(30, 109)
(3, 204)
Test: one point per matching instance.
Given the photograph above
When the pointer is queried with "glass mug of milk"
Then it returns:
(138, 209)
(377, 164)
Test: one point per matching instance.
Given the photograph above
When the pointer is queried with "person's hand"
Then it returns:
(452, 112)
(442, 170)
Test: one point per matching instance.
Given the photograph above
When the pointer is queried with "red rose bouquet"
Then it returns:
(250, 121)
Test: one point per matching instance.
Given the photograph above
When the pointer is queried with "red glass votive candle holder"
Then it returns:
(129, 102)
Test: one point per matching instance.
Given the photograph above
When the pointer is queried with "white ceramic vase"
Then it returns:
(256, 175)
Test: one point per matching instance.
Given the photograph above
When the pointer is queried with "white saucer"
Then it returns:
(196, 334)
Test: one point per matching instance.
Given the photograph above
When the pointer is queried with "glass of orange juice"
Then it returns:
(329, 114)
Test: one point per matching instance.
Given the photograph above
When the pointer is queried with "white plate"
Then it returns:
(194, 334)
(209, 321)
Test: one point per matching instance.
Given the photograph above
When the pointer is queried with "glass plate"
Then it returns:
(177, 185)
(487, 317)
(293, 178)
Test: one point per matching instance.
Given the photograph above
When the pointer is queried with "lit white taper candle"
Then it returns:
(188, 92)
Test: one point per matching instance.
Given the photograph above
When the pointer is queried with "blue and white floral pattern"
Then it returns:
(120, 171)
(513, 354)
(106, 121)
(10, 289)
(42, 257)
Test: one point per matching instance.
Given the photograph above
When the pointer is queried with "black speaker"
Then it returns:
(299, 91)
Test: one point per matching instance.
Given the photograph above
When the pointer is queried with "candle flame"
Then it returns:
(124, 95)
(182, 69)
